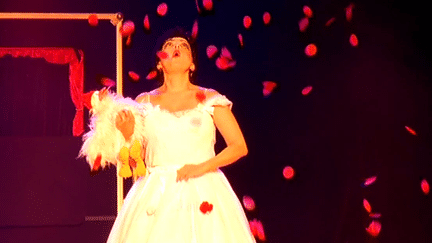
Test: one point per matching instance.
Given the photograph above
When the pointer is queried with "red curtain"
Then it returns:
(76, 74)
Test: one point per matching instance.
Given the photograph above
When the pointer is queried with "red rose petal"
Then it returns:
(375, 215)
(353, 40)
(311, 50)
(307, 11)
(222, 63)
(248, 203)
(211, 51)
(240, 37)
(369, 181)
(247, 22)
(127, 28)
(198, 8)
(152, 74)
(288, 172)
(266, 18)
(410, 130)
(374, 228)
(97, 163)
(303, 24)
(200, 96)
(208, 4)
(162, 54)
(129, 40)
(268, 88)
(226, 53)
(306, 90)
(206, 207)
(195, 30)
(367, 205)
(146, 22)
(260, 231)
(348, 12)
(93, 20)
(253, 227)
(162, 9)
(330, 21)
(231, 64)
(108, 82)
(134, 76)
(425, 186)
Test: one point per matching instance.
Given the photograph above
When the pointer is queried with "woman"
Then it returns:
(184, 197)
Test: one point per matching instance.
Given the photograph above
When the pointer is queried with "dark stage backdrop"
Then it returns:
(350, 127)
(42, 183)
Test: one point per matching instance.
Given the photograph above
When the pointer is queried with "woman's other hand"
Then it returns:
(125, 123)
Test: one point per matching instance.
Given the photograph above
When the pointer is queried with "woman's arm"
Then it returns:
(230, 131)
(236, 146)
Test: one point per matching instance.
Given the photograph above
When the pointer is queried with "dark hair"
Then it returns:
(177, 32)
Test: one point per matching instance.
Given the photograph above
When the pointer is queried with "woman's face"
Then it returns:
(179, 55)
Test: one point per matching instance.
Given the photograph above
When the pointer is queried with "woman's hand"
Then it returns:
(125, 123)
(190, 171)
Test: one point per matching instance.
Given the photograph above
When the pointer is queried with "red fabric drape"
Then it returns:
(76, 74)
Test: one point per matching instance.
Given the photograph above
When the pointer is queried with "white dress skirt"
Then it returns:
(158, 209)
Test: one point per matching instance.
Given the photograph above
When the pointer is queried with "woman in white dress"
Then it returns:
(184, 198)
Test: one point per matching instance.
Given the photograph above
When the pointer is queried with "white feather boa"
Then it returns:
(104, 139)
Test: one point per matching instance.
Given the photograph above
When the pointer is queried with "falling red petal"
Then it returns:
(247, 22)
(226, 53)
(222, 63)
(134, 76)
(129, 40)
(307, 11)
(152, 74)
(375, 215)
(162, 9)
(266, 18)
(97, 163)
(198, 8)
(162, 54)
(253, 227)
(425, 186)
(303, 24)
(348, 12)
(200, 96)
(288, 172)
(306, 90)
(369, 181)
(330, 21)
(93, 20)
(248, 203)
(211, 51)
(268, 88)
(195, 30)
(410, 130)
(208, 4)
(353, 40)
(146, 22)
(127, 28)
(107, 82)
(311, 50)
(367, 205)
(374, 228)
(260, 231)
(240, 37)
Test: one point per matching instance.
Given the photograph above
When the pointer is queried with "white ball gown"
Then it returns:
(157, 209)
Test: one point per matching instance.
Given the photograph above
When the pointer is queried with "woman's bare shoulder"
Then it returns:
(209, 92)
(145, 96)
